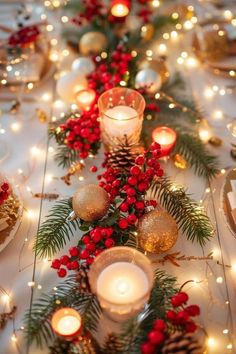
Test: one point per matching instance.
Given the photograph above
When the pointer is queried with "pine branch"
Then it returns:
(55, 231)
(193, 150)
(187, 213)
(38, 319)
(65, 156)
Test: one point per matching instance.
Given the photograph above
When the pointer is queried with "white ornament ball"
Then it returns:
(92, 43)
(70, 84)
(83, 65)
(149, 79)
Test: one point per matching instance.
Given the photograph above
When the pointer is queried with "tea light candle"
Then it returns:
(122, 279)
(66, 322)
(120, 120)
(85, 99)
(166, 137)
(120, 8)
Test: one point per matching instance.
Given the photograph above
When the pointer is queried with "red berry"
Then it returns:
(182, 317)
(93, 169)
(159, 325)
(124, 207)
(64, 260)
(84, 254)
(193, 310)
(140, 160)
(62, 272)
(142, 187)
(116, 183)
(156, 153)
(123, 223)
(183, 297)
(160, 173)
(132, 181)
(74, 265)
(91, 246)
(131, 200)
(190, 327)
(135, 170)
(85, 239)
(171, 315)
(176, 301)
(96, 235)
(139, 205)
(155, 146)
(131, 192)
(109, 242)
(56, 263)
(5, 186)
(151, 162)
(147, 348)
(132, 218)
(156, 337)
(98, 251)
(74, 251)
(89, 260)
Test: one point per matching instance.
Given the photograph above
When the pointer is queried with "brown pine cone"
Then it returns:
(111, 345)
(82, 279)
(180, 343)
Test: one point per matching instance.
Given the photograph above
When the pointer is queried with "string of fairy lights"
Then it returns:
(59, 108)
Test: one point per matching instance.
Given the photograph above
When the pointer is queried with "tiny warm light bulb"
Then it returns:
(85, 98)
(66, 322)
(204, 131)
(211, 342)
(35, 151)
(6, 298)
(120, 8)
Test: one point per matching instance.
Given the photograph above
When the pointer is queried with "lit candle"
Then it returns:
(66, 322)
(166, 137)
(122, 279)
(120, 8)
(121, 110)
(204, 131)
(85, 99)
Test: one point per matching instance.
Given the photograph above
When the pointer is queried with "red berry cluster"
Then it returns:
(92, 10)
(127, 190)
(109, 74)
(178, 320)
(4, 192)
(81, 132)
(24, 36)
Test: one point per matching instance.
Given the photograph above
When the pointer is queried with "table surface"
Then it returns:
(31, 166)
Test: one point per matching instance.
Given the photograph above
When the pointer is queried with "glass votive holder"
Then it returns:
(122, 279)
(121, 113)
(166, 137)
(66, 322)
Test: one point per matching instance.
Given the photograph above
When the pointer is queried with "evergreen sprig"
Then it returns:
(65, 156)
(56, 230)
(38, 319)
(197, 156)
(190, 217)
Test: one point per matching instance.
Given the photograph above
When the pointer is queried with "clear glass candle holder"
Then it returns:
(122, 279)
(121, 113)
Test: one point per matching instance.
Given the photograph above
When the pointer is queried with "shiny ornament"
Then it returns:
(42, 116)
(83, 65)
(180, 162)
(147, 32)
(92, 43)
(90, 202)
(157, 232)
(69, 85)
(215, 141)
(148, 79)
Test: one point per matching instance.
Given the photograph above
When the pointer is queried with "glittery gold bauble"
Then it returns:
(157, 231)
(92, 43)
(90, 202)
(147, 32)
(180, 162)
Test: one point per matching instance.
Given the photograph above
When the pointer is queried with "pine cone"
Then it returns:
(180, 343)
(112, 345)
(123, 155)
(82, 279)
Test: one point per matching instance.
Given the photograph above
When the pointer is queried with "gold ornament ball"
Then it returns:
(90, 202)
(157, 232)
(92, 43)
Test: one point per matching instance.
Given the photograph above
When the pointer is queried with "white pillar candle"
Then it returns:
(121, 120)
(122, 283)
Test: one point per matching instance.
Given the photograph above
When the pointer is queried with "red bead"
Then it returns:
(159, 325)
(132, 181)
(132, 218)
(140, 160)
(84, 254)
(93, 169)
(147, 348)
(64, 260)
(74, 265)
(193, 310)
(135, 170)
(109, 242)
(123, 223)
(56, 263)
(124, 207)
(156, 337)
(62, 272)
(190, 327)
(74, 251)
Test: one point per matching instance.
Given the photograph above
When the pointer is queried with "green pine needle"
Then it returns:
(190, 217)
(56, 230)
